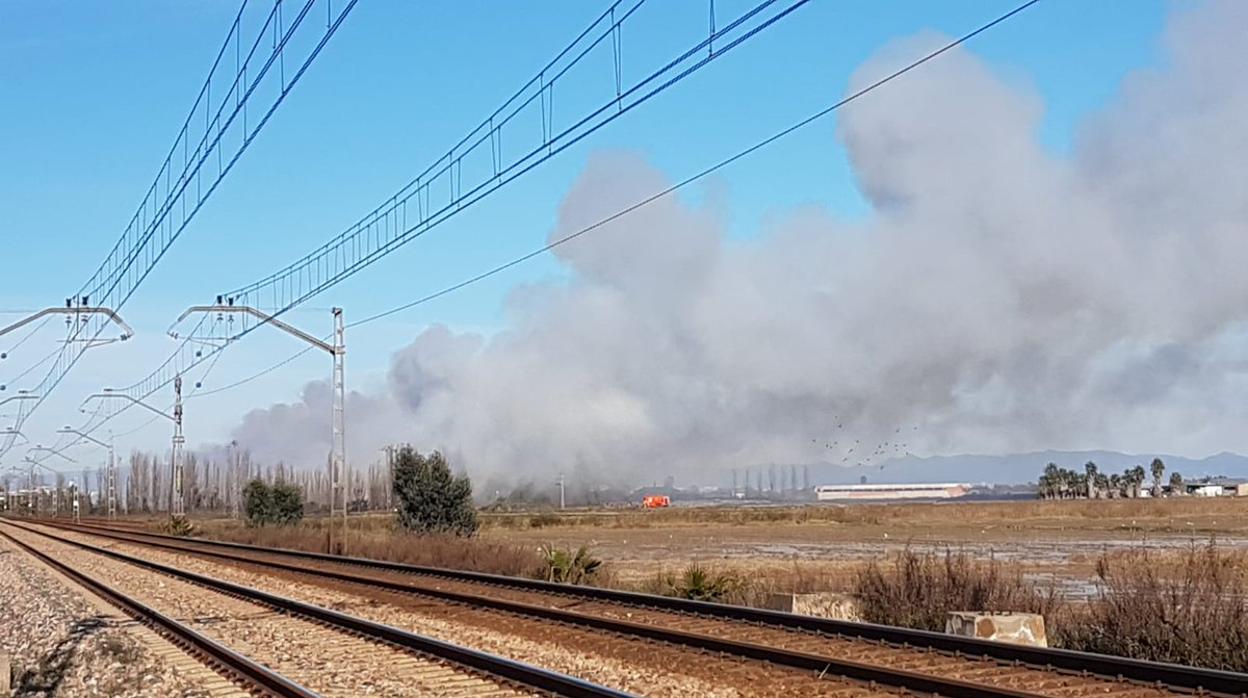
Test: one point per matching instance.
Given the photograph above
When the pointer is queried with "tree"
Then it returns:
(430, 498)
(1089, 470)
(1158, 468)
(1049, 485)
(280, 505)
(1135, 480)
(1176, 483)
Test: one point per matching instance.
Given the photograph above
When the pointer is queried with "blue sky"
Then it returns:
(91, 95)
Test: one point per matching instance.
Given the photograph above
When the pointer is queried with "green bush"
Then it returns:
(701, 584)
(280, 505)
(430, 498)
(567, 566)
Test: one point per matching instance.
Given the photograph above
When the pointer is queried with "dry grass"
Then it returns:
(386, 543)
(1186, 608)
(919, 590)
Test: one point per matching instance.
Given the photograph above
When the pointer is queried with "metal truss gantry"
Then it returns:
(337, 350)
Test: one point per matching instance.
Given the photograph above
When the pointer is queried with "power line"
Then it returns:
(256, 375)
(695, 177)
(171, 203)
(822, 113)
(387, 228)
(539, 91)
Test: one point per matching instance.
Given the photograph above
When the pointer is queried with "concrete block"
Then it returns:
(820, 604)
(1016, 628)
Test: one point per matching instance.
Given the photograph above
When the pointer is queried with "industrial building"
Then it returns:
(830, 493)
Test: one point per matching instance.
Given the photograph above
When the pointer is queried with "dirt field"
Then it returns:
(819, 546)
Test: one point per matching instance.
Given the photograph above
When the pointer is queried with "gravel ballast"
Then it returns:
(62, 644)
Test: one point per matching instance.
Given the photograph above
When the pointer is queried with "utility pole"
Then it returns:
(56, 504)
(178, 505)
(111, 476)
(389, 496)
(235, 482)
(339, 459)
(338, 350)
(561, 486)
(178, 438)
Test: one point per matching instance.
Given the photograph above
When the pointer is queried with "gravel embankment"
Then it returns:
(63, 645)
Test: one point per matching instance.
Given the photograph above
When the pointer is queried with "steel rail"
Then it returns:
(514, 671)
(823, 664)
(238, 668)
(1177, 676)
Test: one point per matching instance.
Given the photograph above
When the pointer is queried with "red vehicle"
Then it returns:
(655, 501)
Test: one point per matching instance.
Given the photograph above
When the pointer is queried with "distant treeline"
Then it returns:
(1061, 483)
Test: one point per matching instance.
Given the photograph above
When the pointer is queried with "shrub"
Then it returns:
(701, 584)
(280, 505)
(918, 591)
(568, 566)
(430, 498)
(178, 526)
(1192, 609)
(545, 519)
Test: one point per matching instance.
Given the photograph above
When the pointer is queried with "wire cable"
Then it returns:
(117, 278)
(822, 113)
(668, 191)
(28, 335)
(327, 257)
(30, 369)
(256, 375)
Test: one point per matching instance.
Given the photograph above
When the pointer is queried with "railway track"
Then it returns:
(914, 660)
(413, 663)
(249, 675)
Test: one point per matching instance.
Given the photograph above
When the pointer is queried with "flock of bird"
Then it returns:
(893, 447)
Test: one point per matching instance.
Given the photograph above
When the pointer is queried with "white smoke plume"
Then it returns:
(999, 297)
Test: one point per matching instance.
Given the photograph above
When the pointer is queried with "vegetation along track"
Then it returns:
(251, 635)
(892, 656)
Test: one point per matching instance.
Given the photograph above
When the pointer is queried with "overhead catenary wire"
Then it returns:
(255, 376)
(162, 376)
(649, 199)
(117, 278)
(33, 331)
(668, 191)
(289, 281)
(31, 368)
(661, 194)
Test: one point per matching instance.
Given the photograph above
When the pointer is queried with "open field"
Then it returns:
(812, 547)
(820, 545)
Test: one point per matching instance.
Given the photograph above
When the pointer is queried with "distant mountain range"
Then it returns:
(1018, 468)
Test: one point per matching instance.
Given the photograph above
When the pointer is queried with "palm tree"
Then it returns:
(1050, 482)
(1137, 480)
(1089, 470)
(1176, 483)
(1158, 469)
